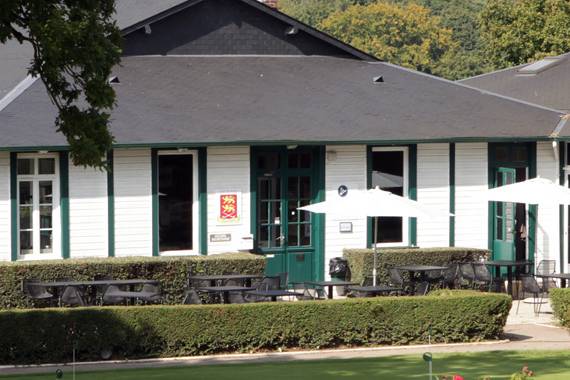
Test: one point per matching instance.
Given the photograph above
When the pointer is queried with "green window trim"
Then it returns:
(64, 202)
(14, 205)
(452, 194)
(154, 185)
(203, 199)
(110, 204)
(412, 189)
(562, 181)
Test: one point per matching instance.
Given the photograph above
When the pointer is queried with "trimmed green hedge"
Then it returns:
(172, 272)
(560, 301)
(48, 335)
(361, 261)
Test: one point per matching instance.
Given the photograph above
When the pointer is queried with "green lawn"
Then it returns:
(551, 365)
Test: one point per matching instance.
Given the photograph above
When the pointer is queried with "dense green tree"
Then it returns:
(519, 31)
(406, 35)
(313, 12)
(76, 43)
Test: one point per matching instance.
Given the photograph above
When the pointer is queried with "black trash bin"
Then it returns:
(339, 271)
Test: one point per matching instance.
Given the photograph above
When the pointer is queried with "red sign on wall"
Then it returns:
(228, 208)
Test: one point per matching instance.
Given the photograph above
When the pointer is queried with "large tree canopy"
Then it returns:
(76, 43)
(405, 35)
(519, 31)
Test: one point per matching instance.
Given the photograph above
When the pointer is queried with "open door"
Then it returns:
(504, 219)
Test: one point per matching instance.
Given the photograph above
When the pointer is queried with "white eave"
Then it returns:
(17, 91)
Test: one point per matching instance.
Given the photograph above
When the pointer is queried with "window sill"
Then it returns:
(40, 257)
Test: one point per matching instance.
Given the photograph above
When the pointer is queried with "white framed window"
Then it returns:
(389, 172)
(38, 206)
(178, 202)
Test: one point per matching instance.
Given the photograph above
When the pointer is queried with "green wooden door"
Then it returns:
(286, 179)
(504, 219)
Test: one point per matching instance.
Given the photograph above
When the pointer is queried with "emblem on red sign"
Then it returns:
(228, 208)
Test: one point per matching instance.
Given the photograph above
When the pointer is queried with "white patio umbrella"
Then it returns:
(373, 203)
(535, 191)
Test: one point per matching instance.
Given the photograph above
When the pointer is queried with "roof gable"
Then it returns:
(230, 27)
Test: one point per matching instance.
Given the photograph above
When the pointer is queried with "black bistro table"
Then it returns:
(374, 290)
(422, 270)
(563, 277)
(510, 265)
(224, 291)
(246, 278)
(273, 293)
(330, 285)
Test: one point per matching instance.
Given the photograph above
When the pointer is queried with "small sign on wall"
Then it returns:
(218, 238)
(345, 227)
(229, 208)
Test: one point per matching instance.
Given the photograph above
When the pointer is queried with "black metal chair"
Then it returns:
(36, 292)
(150, 293)
(546, 267)
(73, 296)
(483, 277)
(530, 286)
(467, 273)
(267, 283)
(451, 276)
(191, 297)
(283, 280)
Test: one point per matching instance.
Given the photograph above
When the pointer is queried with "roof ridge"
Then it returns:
(486, 92)
(18, 90)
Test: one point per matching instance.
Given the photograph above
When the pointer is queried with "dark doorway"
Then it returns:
(175, 194)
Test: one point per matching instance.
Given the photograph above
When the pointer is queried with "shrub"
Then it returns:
(47, 335)
(560, 301)
(361, 261)
(172, 272)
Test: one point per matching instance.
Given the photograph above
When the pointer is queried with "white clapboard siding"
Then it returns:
(5, 241)
(133, 202)
(471, 210)
(88, 220)
(347, 168)
(433, 192)
(547, 229)
(228, 172)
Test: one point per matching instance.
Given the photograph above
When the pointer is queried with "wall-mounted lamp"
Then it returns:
(291, 147)
(331, 155)
(147, 29)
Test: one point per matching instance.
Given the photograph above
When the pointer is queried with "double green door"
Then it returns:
(504, 219)
(285, 179)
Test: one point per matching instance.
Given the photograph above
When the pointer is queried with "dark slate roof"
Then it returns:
(15, 58)
(549, 88)
(222, 99)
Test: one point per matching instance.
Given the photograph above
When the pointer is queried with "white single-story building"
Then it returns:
(231, 115)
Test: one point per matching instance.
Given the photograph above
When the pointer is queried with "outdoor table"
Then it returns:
(224, 290)
(330, 285)
(273, 294)
(509, 264)
(561, 276)
(374, 290)
(224, 277)
(422, 270)
(63, 284)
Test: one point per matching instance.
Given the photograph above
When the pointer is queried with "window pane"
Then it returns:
(26, 221)
(25, 166)
(293, 160)
(293, 212)
(46, 192)
(305, 234)
(26, 242)
(268, 161)
(390, 230)
(305, 160)
(46, 242)
(26, 193)
(293, 238)
(388, 171)
(46, 166)
(45, 216)
(293, 188)
(263, 236)
(305, 187)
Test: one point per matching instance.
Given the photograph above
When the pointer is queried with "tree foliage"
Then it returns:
(76, 43)
(313, 12)
(518, 31)
(405, 35)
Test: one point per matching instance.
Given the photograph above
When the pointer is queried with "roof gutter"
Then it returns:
(561, 125)
(17, 91)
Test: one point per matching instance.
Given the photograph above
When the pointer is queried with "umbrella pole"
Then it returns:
(375, 250)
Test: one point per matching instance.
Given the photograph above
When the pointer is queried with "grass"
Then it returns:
(551, 365)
